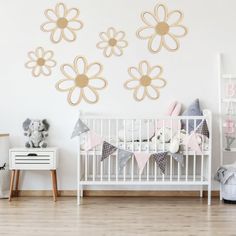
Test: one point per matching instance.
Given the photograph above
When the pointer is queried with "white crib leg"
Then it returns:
(78, 196)
(221, 198)
(201, 191)
(209, 194)
(81, 191)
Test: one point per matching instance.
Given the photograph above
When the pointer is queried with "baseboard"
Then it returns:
(115, 193)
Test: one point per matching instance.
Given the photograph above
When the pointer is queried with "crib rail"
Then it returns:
(141, 135)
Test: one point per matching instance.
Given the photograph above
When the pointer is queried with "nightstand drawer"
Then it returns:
(32, 160)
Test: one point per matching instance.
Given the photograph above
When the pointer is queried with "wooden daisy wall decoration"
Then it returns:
(112, 42)
(146, 81)
(82, 81)
(40, 62)
(62, 23)
(162, 28)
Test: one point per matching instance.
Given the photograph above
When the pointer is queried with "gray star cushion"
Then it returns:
(107, 150)
(123, 157)
(80, 127)
(161, 160)
(193, 110)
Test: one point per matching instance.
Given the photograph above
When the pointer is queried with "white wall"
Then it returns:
(191, 72)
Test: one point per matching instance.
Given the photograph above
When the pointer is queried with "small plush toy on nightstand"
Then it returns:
(36, 131)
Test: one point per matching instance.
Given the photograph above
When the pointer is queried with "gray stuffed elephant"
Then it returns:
(36, 131)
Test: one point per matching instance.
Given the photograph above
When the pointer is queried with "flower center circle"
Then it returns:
(162, 28)
(40, 61)
(62, 22)
(145, 80)
(81, 80)
(112, 42)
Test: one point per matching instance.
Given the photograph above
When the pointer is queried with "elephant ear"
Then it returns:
(26, 124)
(46, 124)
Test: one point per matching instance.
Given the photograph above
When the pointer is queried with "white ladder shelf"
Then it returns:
(224, 101)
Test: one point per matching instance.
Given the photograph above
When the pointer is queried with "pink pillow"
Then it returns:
(174, 109)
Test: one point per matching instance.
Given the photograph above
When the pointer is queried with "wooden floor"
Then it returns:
(116, 216)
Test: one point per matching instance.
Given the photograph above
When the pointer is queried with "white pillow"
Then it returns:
(130, 135)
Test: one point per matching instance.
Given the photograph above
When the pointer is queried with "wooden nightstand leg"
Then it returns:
(55, 176)
(17, 182)
(12, 184)
(54, 192)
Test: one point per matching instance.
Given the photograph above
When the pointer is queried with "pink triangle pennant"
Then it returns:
(93, 139)
(141, 158)
(191, 141)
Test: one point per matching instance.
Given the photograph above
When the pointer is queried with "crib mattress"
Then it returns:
(146, 146)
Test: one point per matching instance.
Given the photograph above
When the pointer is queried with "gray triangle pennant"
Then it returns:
(107, 150)
(203, 129)
(123, 157)
(178, 157)
(80, 127)
(161, 160)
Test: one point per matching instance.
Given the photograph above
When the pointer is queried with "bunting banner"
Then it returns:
(191, 141)
(229, 142)
(93, 140)
(123, 157)
(179, 157)
(141, 158)
(203, 129)
(107, 150)
(80, 127)
(161, 160)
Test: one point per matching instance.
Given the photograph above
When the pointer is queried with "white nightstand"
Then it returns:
(32, 159)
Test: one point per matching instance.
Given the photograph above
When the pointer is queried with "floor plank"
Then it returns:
(34, 216)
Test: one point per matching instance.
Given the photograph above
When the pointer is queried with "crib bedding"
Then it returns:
(148, 146)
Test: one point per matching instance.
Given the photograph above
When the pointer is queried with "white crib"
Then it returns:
(91, 171)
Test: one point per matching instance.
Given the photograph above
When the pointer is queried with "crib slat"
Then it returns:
(94, 166)
(132, 160)
(94, 156)
(179, 129)
(140, 142)
(163, 145)
(117, 138)
(171, 141)
(186, 174)
(194, 158)
(101, 162)
(202, 161)
(155, 165)
(109, 158)
(86, 166)
(124, 170)
(148, 132)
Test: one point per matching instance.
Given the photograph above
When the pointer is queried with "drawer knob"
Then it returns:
(32, 155)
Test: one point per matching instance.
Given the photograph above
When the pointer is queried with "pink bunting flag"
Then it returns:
(141, 158)
(191, 141)
(93, 140)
